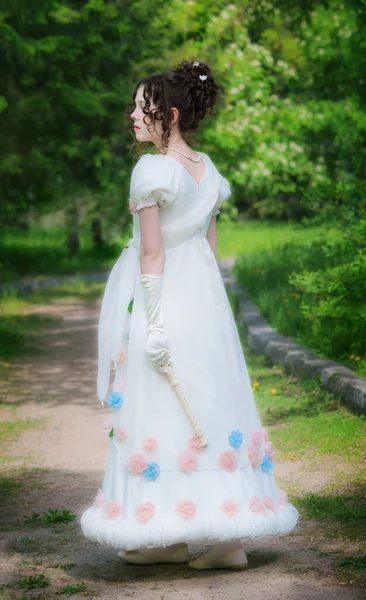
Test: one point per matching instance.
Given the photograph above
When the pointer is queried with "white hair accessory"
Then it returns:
(195, 63)
(202, 77)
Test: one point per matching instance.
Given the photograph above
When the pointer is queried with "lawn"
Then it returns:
(42, 252)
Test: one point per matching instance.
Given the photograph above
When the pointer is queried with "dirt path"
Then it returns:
(59, 465)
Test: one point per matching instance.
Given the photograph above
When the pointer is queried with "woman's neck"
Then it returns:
(176, 141)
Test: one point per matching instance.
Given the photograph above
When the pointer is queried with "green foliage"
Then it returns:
(247, 237)
(354, 562)
(65, 79)
(292, 115)
(291, 118)
(347, 509)
(315, 292)
(50, 517)
(73, 589)
(42, 251)
(33, 581)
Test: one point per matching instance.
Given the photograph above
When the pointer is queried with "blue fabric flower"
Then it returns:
(152, 471)
(235, 438)
(115, 399)
(266, 464)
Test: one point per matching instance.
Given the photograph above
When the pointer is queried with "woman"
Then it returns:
(164, 307)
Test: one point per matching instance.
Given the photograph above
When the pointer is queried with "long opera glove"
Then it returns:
(157, 346)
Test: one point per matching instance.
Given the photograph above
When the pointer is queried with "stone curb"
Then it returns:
(296, 359)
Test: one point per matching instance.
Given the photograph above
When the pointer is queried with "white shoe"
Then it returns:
(177, 553)
(221, 556)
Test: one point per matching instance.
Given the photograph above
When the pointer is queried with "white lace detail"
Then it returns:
(146, 204)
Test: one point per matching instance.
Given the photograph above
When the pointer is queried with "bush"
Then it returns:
(315, 291)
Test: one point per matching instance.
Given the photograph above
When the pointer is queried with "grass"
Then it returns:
(50, 517)
(33, 582)
(351, 569)
(73, 589)
(312, 290)
(307, 421)
(42, 251)
(10, 430)
(308, 426)
(248, 237)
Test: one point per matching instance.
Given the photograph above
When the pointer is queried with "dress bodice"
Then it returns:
(186, 206)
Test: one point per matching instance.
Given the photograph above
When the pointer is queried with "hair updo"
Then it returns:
(189, 87)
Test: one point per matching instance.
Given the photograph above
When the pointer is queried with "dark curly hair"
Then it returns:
(189, 87)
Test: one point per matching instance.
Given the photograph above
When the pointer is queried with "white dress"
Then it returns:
(160, 487)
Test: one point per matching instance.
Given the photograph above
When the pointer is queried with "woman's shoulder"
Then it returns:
(152, 163)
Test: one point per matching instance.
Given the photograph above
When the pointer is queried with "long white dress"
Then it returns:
(160, 487)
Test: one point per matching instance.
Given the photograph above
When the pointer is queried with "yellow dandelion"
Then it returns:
(273, 391)
(357, 358)
(256, 384)
(352, 356)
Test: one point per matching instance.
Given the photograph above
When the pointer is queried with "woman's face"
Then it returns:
(142, 128)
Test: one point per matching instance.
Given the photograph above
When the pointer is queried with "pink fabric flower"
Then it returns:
(99, 499)
(150, 444)
(186, 509)
(113, 509)
(230, 507)
(282, 497)
(269, 503)
(121, 434)
(136, 464)
(145, 512)
(228, 460)
(265, 434)
(269, 450)
(257, 438)
(256, 505)
(254, 455)
(188, 461)
(195, 444)
(121, 357)
(107, 425)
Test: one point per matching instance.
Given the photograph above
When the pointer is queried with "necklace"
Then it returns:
(194, 160)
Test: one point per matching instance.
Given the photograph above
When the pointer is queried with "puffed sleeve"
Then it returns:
(224, 194)
(153, 181)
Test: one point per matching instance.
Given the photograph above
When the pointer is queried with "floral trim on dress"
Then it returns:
(113, 509)
(115, 399)
(260, 451)
(236, 438)
(152, 471)
(186, 509)
(228, 461)
(150, 444)
(230, 507)
(145, 512)
(188, 461)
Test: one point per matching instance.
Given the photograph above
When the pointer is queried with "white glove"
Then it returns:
(157, 345)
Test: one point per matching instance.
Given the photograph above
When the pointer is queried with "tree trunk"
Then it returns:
(72, 226)
(96, 229)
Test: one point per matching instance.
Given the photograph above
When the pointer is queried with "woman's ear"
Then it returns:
(175, 115)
